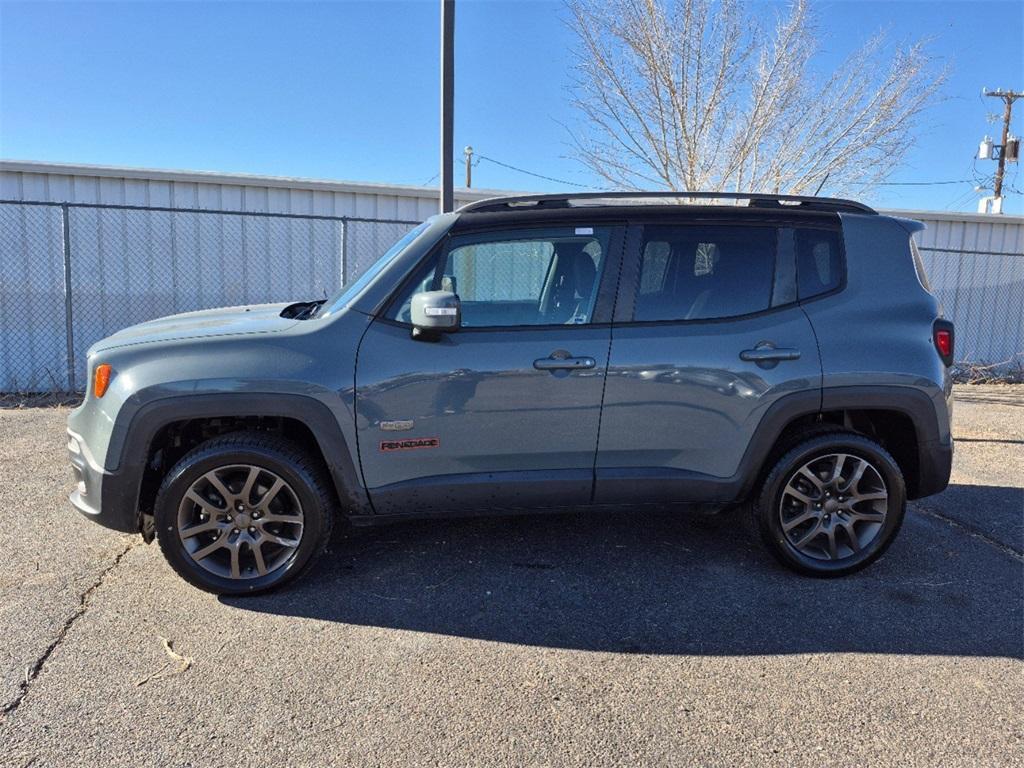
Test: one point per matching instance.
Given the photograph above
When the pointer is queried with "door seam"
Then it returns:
(608, 363)
(821, 362)
(355, 413)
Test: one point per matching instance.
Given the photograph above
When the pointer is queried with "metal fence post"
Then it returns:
(69, 329)
(344, 252)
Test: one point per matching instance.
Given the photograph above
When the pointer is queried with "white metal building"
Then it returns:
(65, 183)
(131, 244)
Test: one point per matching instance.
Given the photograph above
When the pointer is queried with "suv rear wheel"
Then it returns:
(243, 514)
(832, 505)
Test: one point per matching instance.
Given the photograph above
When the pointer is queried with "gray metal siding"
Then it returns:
(82, 184)
(975, 264)
(130, 265)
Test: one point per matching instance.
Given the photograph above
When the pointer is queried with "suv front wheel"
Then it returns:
(243, 513)
(832, 505)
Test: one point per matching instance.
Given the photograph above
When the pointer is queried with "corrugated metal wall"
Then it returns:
(976, 267)
(59, 183)
(278, 239)
(228, 240)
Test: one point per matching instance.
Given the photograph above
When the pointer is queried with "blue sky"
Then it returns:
(349, 90)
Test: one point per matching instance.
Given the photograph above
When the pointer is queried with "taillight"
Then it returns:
(942, 335)
(101, 379)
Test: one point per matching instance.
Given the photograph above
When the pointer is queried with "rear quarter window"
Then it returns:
(819, 261)
(922, 275)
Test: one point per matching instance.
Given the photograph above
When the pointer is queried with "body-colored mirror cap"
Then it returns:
(436, 311)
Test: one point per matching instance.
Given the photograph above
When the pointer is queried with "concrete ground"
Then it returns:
(568, 640)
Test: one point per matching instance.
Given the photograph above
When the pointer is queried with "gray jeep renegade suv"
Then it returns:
(538, 353)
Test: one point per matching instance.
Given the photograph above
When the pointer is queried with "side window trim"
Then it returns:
(784, 282)
(629, 277)
(607, 277)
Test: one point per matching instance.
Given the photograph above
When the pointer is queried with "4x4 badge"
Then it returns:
(397, 426)
(410, 444)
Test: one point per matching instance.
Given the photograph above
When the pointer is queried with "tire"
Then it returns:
(834, 525)
(286, 515)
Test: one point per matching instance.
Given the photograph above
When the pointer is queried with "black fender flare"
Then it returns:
(934, 454)
(122, 488)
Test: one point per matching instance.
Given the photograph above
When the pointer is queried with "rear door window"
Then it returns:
(699, 272)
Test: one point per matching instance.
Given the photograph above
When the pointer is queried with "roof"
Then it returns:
(755, 200)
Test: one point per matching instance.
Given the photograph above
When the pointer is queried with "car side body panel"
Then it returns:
(483, 415)
(679, 398)
(306, 373)
(877, 331)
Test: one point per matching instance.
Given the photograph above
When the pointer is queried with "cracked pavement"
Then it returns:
(546, 640)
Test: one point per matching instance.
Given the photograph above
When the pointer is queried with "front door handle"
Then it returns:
(564, 363)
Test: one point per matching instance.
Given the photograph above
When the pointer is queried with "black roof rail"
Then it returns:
(756, 200)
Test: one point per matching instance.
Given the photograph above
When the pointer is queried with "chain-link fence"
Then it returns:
(982, 292)
(75, 273)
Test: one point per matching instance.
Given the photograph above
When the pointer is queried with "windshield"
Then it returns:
(350, 291)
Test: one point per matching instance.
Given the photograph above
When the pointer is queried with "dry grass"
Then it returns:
(14, 400)
(1007, 372)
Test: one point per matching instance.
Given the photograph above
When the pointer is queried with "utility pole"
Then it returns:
(1008, 148)
(1008, 98)
(447, 104)
(468, 152)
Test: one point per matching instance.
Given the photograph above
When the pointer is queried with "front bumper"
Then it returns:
(100, 495)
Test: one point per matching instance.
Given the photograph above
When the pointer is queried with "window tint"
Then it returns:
(702, 272)
(819, 261)
(526, 277)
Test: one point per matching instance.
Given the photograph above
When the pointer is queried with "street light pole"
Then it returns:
(447, 104)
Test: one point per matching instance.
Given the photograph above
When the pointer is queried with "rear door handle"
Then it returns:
(564, 363)
(769, 354)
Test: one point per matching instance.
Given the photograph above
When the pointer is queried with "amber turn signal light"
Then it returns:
(101, 379)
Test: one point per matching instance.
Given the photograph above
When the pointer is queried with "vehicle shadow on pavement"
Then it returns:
(661, 582)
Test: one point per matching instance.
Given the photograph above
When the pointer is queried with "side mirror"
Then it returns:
(435, 312)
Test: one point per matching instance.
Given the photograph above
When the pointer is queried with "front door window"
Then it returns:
(525, 277)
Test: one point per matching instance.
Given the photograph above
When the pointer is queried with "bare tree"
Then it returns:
(695, 94)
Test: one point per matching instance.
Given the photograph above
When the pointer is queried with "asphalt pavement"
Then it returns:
(557, 640)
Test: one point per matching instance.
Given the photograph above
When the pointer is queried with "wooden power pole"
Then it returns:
(1008, 98)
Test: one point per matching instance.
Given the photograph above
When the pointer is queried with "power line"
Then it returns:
(922, 183)
(531, 173)
(478, 157)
